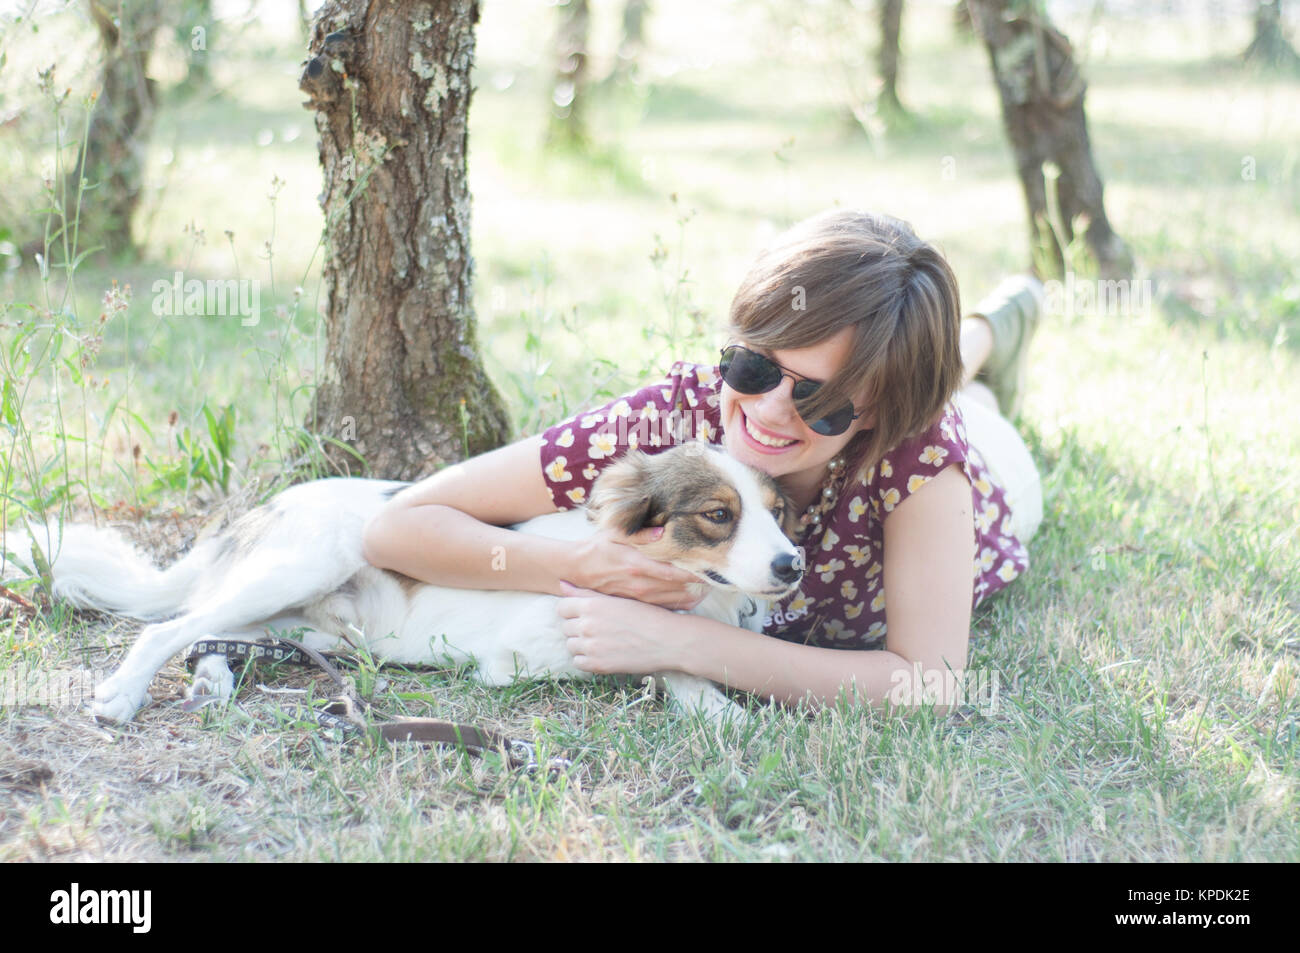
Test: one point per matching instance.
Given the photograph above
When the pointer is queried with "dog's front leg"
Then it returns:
(122, 694)
(699, 696)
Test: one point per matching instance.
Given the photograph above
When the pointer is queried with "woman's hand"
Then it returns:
(611, 565)
(611, 636)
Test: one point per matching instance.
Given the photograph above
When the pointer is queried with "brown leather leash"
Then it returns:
(348, 712)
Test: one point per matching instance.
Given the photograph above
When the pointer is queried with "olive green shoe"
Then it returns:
(1012, 311)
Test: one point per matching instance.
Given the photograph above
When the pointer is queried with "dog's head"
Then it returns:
(722, 520)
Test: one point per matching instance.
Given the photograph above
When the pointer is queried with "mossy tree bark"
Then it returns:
(1042, 93)
(403, 383)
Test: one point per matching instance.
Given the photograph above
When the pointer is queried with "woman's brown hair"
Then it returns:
(869, 273)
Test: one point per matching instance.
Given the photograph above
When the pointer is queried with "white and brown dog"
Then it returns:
(297, 562)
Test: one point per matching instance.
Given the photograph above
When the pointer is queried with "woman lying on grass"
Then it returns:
(846, 348)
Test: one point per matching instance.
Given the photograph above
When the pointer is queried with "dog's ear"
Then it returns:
(622, 497)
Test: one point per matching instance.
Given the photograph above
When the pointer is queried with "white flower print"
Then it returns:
(934, 455)
(602, 445)
(828, 570)
(856, 554)
(856, 508)
(836, 630)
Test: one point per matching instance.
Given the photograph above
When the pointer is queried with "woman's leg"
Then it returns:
(976, 346)
(995, 341)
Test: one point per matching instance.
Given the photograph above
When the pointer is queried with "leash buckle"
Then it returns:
(523, 754)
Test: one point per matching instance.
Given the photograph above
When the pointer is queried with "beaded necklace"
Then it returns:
(811, 520)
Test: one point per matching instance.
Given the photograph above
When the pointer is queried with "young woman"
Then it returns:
(849, 377)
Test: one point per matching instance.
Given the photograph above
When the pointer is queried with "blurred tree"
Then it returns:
(111, 162)
(631, 46)
(891, 21)
(568, 125)
(1270, 47)
(304, 21)
(1042, 93)
(961, 21)
(403, 382)
(195, 28)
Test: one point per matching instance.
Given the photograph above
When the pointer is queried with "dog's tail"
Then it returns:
(95, 568)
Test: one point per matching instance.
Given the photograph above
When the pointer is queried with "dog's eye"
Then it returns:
(720, 515)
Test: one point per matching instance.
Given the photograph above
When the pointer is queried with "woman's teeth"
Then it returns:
(763, 438)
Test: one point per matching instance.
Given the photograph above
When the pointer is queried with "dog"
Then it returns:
(296, 562)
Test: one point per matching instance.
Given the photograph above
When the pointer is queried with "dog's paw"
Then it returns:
(213, 682)
(698, 696)
(112, 704)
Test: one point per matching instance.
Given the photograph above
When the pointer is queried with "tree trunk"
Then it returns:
(112, 158)
(891, 21)
(961, 21)
(1270, 47)
(568, 125)
(632, 44)
(1042, 95)
(402, 383)
(195, 30)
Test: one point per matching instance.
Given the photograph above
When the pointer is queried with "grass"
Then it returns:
(1148, 663)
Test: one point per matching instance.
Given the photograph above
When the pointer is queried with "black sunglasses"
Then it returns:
(748, 372)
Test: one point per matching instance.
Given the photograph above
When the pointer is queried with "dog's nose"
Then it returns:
(787, 567)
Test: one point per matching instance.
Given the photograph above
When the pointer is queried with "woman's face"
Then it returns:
(766, 432)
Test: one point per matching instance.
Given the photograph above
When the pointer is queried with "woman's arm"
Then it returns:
(929, 564)
(448, 529)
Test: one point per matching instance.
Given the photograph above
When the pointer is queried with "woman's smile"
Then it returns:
(765, 440)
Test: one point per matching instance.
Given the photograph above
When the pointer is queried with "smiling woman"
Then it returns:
(841, 383)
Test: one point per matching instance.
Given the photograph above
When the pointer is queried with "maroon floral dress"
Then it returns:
(841, 601)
